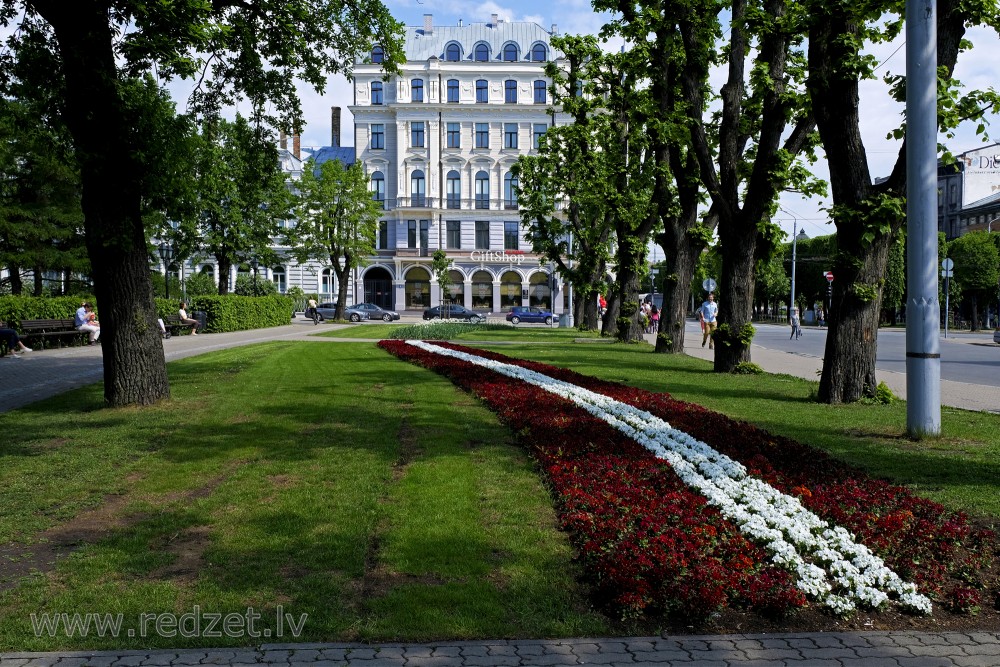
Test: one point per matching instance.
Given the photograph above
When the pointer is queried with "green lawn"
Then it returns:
(461, 331)
(365, 492)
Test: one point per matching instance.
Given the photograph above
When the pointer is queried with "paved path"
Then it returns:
(876, 649)
(40, 375)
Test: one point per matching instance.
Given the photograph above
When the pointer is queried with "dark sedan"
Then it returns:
(453, 313)
(377, 312)
(519, 314)
(326, 311)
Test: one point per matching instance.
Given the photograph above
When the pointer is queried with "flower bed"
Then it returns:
(650, 541)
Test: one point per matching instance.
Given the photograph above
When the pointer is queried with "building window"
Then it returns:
(425, 233)
(454, 135)
(482, 135)
(482, 91)
(510, 290)
(539, 129)
(383, 235)
(278, 276)
(378, 136)
(482, 190)
(453, 53)
(453, 90)
(510, 135)
(482, 235)
(418, 188)
(510, 235)
(482, 53)
(376, 92)
(510, 191)
(378, 54)
(510, 91)
(417, 134)
(378, 188)
(538, 53)
(454, 189)
(417, 288)
(540, 92)
(510, 52)
(482, 290)
(411, 233)
(454, 234)
(417, 90)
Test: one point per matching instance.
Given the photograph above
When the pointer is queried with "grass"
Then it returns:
(365, 492)
(461, 331)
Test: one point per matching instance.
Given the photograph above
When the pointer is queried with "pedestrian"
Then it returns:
(86, 322)
(182, 312)
(707, 316)
(13, 341)
(796, 325)
(311, 311)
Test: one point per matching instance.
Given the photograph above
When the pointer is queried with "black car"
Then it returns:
(453, 312)
(377, 312)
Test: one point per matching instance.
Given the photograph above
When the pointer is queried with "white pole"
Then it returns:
(795, 239)
(923, 358)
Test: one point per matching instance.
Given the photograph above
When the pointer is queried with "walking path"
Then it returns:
(43, 374)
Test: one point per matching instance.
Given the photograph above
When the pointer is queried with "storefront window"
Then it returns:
(510, 290)
(455, 292)
(418, 288)
(482, 290)
(539, 293)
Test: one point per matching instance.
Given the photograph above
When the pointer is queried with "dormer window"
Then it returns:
(539, 53)
(453, 53)
(482, 53)
(378, 54)
(510, 52)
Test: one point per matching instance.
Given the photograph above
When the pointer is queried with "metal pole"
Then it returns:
(947, 313)
(569, 285)
(795, 228)
(923, 358)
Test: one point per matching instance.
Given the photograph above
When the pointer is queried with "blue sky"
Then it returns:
(879, 113)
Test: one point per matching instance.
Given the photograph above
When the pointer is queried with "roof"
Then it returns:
(419, 45)
(985, 201)
(345, 154)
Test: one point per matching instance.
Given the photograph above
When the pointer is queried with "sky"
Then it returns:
(879, 113)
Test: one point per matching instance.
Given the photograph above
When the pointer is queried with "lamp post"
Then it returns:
(989, 230)
(253, 265)
(795, 241)
(166, 254)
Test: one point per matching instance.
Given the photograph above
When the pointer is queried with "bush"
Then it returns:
(747, 368)
(248, 286)
(14, 309)
(200, 284)
(233, 312)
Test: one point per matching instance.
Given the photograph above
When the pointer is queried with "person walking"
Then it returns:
(707, 315)
(796, 325)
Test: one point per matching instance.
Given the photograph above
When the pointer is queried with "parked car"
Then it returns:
(519, 314)
(377, 312)
(996, 336)
(453, 312)
(326, 312)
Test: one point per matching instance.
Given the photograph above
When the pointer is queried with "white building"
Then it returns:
(438, 141)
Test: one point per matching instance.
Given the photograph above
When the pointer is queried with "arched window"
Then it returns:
(278, 276)
(540, 94)
(538, 53)
(208, 269)
(482, 53)
(418, 188)
(378, 188)
(417, 90)
(510, 191)
(453, 52)
(376, 92)
(417, 288)
(510, 91)
(378, 54)
(482, 290)
(482, 190)
(454, 189)
(510, 52)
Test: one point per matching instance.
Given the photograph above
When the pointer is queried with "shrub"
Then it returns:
(248, 286)
(747, 368)
(200, 284)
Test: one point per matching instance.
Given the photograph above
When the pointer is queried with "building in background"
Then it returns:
(969, 192)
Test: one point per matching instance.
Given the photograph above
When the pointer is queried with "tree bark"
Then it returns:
(225, 267)
(16, 283)
(134, 367)
(738, 244)
(679, 266)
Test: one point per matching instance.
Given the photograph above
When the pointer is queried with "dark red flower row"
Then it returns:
(648, 542)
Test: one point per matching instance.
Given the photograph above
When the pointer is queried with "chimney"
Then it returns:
(459, 23)
(296, 146)
(555, 29)
(428, 24)
(335, 125)
(496, 19)
(282, 140)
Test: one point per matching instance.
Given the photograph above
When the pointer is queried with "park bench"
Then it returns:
(173, 325)
(60, 330)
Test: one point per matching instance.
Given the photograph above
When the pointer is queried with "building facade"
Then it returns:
(969, 192)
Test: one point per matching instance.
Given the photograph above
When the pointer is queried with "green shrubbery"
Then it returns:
(14, 309)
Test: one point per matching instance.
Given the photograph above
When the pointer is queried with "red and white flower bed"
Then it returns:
(664, 519)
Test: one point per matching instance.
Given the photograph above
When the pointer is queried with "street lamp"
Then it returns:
(166, 254)
(795, 240)
(253, 265)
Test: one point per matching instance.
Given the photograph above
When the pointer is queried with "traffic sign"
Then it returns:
(947, 273)
(948, 264)
(708, 284)
(828, 275)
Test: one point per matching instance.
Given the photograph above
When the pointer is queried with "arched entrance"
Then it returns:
(510, 290)
(482, 290)
(418, 288)
(456, 289)
(378, 287)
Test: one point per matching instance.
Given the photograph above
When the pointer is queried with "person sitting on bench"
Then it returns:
(187, 320)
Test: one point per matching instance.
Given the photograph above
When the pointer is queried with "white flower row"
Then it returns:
(829, 564)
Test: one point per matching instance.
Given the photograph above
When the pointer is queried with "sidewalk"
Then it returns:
(39, 375)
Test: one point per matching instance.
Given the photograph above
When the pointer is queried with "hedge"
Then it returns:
(15, 309)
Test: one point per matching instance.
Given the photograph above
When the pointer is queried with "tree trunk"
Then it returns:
(738, 245)
(679, 266)
(134, 367)
(609, 323)
(225, 268)
(16, 283)
(342, 273)
(38, 284)
(975, 313)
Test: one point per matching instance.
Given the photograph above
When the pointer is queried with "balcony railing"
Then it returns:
(454, 203)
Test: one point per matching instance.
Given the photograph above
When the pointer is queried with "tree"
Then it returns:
(337, 220)
(869, 214)
(256, 51)
(977, 269)
(242, 197)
